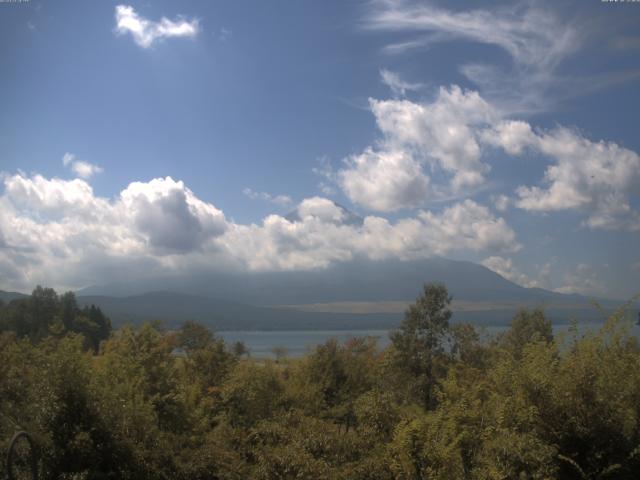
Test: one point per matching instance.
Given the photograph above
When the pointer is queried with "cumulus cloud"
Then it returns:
(40, 198)
(384, 180)
(442, 135)
(323, 209)
(81, 168)
(596, 177)
(322, 234)
(145, 32)
(63, 230)
(282, 200)
(439, 150)
(170, 217)
(58, 232)
(501, 202)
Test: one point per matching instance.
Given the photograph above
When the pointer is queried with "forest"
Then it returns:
(443, 401)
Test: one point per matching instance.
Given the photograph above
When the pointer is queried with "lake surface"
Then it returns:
(299, 342)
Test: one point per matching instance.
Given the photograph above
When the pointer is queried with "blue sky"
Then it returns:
(172, 136)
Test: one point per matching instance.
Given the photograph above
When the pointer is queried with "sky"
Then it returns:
(153, 138)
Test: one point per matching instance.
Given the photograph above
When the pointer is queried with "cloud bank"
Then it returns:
(58, 232)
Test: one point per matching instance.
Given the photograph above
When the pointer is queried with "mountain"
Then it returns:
(373, 281)
(174, 308)
(357, 294)
(6, 297)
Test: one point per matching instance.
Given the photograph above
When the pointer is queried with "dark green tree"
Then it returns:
(194, 336)
(527, 327)
(240, 349)
(420, 339)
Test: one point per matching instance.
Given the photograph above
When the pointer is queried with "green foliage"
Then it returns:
(45, 314)
(526, 327)
(194, 336)
(251, 393)
(419, 342)
(439, 403)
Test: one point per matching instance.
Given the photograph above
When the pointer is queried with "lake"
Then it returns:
(299, 342)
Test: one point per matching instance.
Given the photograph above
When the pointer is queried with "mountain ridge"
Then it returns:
(352, 295)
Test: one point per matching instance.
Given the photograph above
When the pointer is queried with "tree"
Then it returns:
(194, 336)
(280, 353)
(527, 327)
(420, 338)
(68, 310)
(239, 349)
(251, 393)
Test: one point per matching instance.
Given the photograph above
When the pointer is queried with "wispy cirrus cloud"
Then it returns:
(536, 39)
(531, 36)
(145, 32)
(397, 86)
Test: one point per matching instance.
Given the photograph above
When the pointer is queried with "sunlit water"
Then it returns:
(298, 342)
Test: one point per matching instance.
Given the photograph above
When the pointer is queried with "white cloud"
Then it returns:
(596, 177)
(66, 234)
(145, 32)
(398, 86)
(468, 225)
(582, 280)
(439, 151)
(39, 197)
(58, 232)
(505, 268)
(501, 202)
(325, 170)
(384, 180)
(536, 39)
(442, 135)
(81, 168)
(322, 235)
(530, 35)
(282, 200)
(321, 208)
(169, 216)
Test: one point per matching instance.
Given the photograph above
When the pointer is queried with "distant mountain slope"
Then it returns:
(174, 308)
(315, 300)
(6, 297)
(383, 280)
